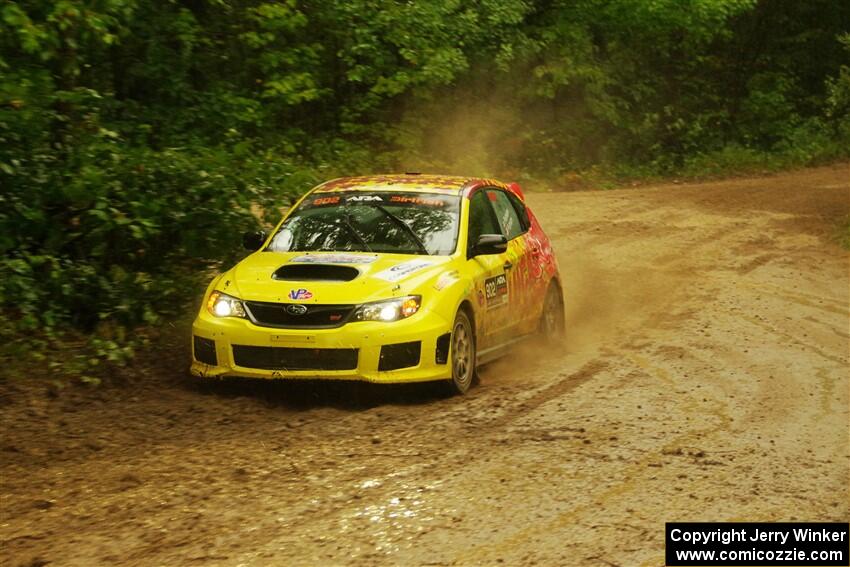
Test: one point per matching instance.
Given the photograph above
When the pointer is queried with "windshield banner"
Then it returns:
(398, 199)
(333, 259)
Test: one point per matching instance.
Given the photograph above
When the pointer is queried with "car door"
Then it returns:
(516, 260)
(492, 290)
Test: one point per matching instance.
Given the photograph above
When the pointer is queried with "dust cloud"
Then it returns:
(606, 304)
(606, 307)
(478, 134)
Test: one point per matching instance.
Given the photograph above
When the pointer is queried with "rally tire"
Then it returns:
(552, 316)
(462, 354)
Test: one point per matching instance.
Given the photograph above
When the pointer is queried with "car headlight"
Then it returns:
(223, 305)
(389, 309)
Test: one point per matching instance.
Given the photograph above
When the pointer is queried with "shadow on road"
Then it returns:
(309, 394)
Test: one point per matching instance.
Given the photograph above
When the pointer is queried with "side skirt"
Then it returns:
(498, 351)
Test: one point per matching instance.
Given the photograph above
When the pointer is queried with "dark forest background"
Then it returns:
(137, 136)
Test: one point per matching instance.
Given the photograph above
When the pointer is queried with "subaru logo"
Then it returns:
(296, 309)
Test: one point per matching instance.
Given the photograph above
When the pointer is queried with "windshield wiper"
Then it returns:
(346, 222)
(404, 226)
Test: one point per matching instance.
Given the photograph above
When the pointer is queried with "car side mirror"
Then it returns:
(490, 244)
(253, 241)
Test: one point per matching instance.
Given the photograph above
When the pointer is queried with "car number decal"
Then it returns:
(402, 270)
(325, 201)
(333, 259)
(496, 291)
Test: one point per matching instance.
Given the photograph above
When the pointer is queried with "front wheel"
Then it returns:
(462, 353)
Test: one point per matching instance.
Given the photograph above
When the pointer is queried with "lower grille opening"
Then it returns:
(204, 350)
(401, 355)
(285, 358)
(442, 356)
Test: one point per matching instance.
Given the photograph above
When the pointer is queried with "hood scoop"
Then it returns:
(315, 272)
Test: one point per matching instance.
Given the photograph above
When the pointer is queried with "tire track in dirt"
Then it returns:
(560, 388)
(794, 340)
(821, 303)
(631, 474)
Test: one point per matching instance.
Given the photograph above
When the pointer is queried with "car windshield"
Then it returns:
(401, 223)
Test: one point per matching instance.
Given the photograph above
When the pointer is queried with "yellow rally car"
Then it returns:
(396, 278)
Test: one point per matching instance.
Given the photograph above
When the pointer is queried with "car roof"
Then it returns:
(413, 182)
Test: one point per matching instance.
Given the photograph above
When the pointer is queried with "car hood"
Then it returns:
(302, 277)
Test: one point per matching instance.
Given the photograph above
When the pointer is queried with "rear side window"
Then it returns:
(521, 211)
(506, 214)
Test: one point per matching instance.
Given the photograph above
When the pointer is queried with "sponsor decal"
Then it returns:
(333, 259)
(416, 200)
(496, 291)
(402, 270)
(445, 280)
(299, 294)
(363, 198)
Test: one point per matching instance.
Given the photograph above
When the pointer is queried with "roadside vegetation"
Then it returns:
(137, 137)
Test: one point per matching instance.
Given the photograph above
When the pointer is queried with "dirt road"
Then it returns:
(704, 377)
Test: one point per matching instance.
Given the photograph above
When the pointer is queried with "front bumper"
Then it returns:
(366, 338)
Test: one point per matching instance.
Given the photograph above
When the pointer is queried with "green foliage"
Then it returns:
(139, 138)
(838, 97)
(119, 232)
